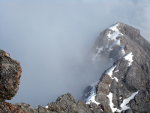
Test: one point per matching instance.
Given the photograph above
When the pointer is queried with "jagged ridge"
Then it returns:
(122, 86)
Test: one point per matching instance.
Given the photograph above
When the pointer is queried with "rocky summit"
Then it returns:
(123, 88)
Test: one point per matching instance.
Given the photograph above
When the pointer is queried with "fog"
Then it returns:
(52, 40)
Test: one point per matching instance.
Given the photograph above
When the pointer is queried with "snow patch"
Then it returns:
(111, 104)
(116, 71)
(115, 34)
(91, 98)
(126, 101)
(115, 79)
(129, 58)
(115, 27)
(46, 107)
(110, 73)
(120, 98)
(123, 105)
(122, 52)
(113, 39)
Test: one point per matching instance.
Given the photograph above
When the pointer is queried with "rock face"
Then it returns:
(10, 72)
(125, 86)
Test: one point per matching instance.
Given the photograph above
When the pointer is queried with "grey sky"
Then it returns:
(51, 39)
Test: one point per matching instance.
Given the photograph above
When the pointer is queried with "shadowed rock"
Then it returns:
(10, 72)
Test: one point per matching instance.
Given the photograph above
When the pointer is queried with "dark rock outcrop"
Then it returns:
(10, 72)
(125, 86)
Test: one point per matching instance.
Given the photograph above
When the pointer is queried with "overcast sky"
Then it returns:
(52, 38)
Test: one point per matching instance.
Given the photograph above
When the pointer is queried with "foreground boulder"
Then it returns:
(10, 72)
(125, 86)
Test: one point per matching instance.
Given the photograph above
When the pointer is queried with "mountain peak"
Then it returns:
(128, 77)
(116, 41)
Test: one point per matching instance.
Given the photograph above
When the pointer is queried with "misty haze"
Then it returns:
(53, 39)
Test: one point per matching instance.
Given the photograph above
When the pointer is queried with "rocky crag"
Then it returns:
(64, 104)
(10, 73)
(125, 86)
(122, 88)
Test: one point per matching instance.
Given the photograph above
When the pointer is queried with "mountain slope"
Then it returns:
(125, 85)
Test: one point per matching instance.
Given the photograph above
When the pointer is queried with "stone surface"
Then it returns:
(10, 72)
